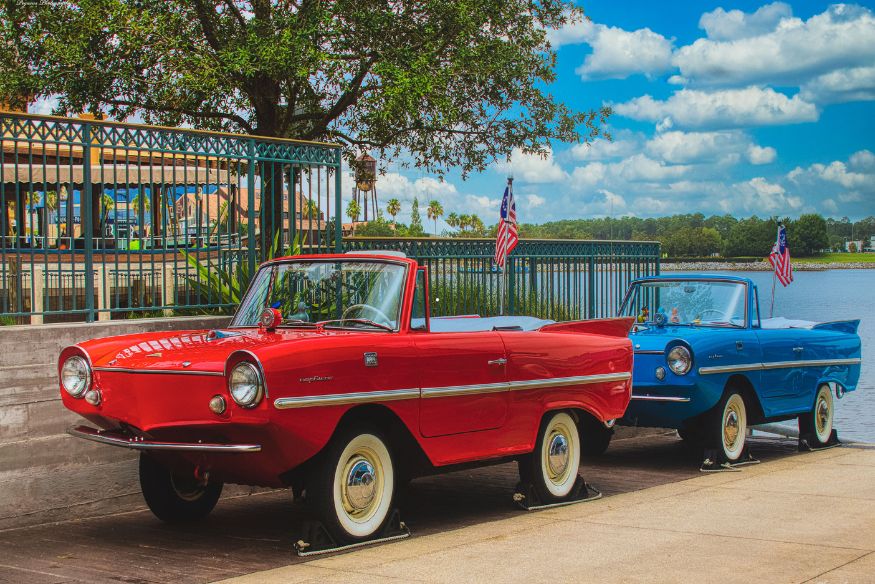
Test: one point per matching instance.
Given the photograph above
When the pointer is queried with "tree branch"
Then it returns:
(193, 113)
(236, 12)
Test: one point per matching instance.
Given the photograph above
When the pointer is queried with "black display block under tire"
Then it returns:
(173, 497)
(352, 486)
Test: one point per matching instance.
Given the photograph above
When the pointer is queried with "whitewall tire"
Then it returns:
(818, 423)
(731, 427)
(354, 486)
(553, 466)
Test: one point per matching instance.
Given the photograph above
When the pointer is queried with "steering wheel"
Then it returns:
(373, 309)
(722, 314)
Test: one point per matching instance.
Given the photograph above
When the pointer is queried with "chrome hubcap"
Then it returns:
(187, 489)
(557, 455)
(822, 415)
(730, 428)
(360, 487)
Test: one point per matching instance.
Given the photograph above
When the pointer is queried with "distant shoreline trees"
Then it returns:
(681, 236)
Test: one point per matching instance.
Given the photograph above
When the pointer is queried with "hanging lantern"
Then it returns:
(365, 172)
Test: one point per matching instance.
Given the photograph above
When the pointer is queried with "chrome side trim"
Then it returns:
(116, 439)
(560, 381)
(336, 399)
(431, 392)
(730, 368)
(661, 398)
(309, 401)
(778, 365)
(648, 352)
(160, 371)
(811, 363)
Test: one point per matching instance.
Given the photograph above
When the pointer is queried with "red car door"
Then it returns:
(463, 381)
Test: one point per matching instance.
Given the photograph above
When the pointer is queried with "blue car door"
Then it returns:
(782, 366)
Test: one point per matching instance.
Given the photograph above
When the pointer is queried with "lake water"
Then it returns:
(834, 295)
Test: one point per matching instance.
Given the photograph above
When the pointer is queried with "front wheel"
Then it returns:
(174, 497)
(353, 485)
(728, 428)
(817, 424)
(552, 467)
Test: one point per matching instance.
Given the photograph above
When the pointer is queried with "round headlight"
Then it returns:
(679, 360)
(245, 385)
(75, 376)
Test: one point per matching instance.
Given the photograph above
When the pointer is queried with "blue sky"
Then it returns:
(720, 107)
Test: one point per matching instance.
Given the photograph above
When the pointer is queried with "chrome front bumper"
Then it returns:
(115, 438)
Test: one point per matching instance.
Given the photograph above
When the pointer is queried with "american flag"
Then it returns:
(508, 232)
(780, 258)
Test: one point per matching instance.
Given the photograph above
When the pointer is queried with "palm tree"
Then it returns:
(393, 207)
(453, 220)
(464, 222)
(477, 225)
(435, 210)
(141, 198)
(310, 210)
(352, 211)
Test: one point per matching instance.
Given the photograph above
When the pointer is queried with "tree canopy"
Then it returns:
(439, 83)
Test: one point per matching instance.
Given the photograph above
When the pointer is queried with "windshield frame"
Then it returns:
(635, 283)
(403, 308)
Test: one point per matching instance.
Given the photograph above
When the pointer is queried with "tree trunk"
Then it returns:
(271, 206)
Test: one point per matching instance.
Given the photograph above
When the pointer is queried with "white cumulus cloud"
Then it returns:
(842, 85)
(794, 52)
(616, 53)
(535, 200)
(680, 147)
(532, 168)
(728, 108)
(722, 25)
(761, 155)
(758, 195)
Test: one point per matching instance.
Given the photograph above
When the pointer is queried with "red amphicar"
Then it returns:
(333, 379)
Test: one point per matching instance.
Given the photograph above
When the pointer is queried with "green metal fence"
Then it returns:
(96, 218)
(556, 279)
(103, 220)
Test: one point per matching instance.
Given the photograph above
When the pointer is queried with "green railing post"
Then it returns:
(85, 221)
(511, 286)
(250, 212)
(338, 205)
(590, 289)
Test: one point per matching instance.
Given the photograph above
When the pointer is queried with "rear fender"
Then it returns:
(611, 327)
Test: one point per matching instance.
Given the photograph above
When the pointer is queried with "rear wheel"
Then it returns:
(353, 485)
(176, 497)
(817, 424)
(728, 427)
(595, 437)
(552, 467)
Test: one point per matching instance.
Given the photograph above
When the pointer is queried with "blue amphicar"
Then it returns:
(708, 364)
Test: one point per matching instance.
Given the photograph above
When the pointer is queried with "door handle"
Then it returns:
(739, 345)
(798, 349)
(498, 362)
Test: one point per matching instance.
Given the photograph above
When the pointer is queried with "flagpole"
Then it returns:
(772, 309)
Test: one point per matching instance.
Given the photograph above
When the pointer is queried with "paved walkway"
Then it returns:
(806, 518)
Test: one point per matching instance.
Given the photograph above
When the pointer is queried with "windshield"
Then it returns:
(687, 302)
(349, 293)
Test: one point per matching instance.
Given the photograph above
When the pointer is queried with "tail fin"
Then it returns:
(842, 326)
(611, 327)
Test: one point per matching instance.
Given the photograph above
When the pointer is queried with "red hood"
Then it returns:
(192, 350)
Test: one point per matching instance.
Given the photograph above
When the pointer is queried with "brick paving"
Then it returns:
(256, 532)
